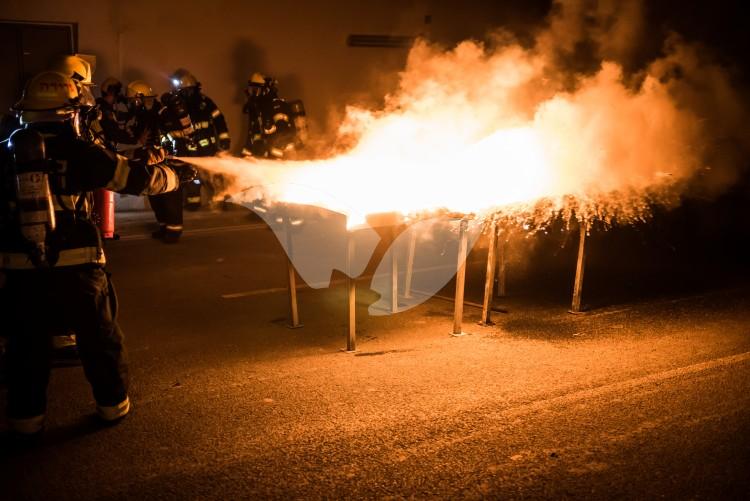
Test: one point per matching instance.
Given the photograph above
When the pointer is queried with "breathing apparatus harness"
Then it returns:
(34, 206)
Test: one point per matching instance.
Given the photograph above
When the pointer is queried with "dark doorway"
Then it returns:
(28, 48)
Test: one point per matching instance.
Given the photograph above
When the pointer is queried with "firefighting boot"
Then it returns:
(113, 413)
(172, 236)
(159, 234)
(26, 427)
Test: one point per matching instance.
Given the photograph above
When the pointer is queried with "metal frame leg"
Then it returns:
(489, 281)
(458, 309)
(410, 263)
(351, 288)
(292, 281)
(502, 244)
(394, 277)
(580, 267)
(291, 278)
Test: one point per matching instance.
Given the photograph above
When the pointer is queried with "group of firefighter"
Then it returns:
(60, 146)
(187, 123)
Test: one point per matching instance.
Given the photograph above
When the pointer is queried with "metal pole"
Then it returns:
(294, 313)
(394, 275)
(489, 281)
(580, 266)
(458, 308)
(351, 288)
(291, 277)
(502, 272)
(410, 263)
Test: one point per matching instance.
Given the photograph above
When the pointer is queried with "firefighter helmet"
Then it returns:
(79, 70)
(48, 91)
(260, 85)
(183, 79)
(139, 88)
(49, 96)
(257, 79)
(75, 67)
(111, 85)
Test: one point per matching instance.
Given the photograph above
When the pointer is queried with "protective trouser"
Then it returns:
(80, 298)
(168, 208)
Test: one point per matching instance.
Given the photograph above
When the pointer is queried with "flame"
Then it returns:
(486, 130)
(508, 167)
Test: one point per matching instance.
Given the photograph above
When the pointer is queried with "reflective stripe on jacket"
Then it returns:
(67, 257)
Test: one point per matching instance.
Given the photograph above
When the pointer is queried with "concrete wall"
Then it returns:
(302, 44)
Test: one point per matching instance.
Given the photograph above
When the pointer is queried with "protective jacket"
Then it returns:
(193, 124)
(76, 168)
(275, 126)
(144, 125)
(113, 121)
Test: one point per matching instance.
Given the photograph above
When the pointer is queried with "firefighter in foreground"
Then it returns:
(52, 260)
(277, 128)
(79, 70)
(193, 126)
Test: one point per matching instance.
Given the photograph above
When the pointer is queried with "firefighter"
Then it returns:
(92, 128)
(51, 256)
(193, 126)
(114, 112)
(79, 70)
(145, 111)
(277, 128)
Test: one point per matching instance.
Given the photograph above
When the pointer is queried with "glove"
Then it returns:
(150, 155)
(185, 172)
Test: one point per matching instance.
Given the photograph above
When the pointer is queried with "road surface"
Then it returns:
(645, 398)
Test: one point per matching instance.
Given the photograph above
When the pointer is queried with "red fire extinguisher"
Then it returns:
(104, 210)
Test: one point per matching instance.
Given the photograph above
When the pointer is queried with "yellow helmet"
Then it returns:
(257, 79)
(182, 79)
(75, 67)
(79, 70)
(139, 88)
(48, 90)
(111, 85)
(48, 97)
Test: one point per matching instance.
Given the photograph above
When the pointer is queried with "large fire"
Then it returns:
(499, 127)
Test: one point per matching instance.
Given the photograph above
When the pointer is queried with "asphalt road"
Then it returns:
(642, 398)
